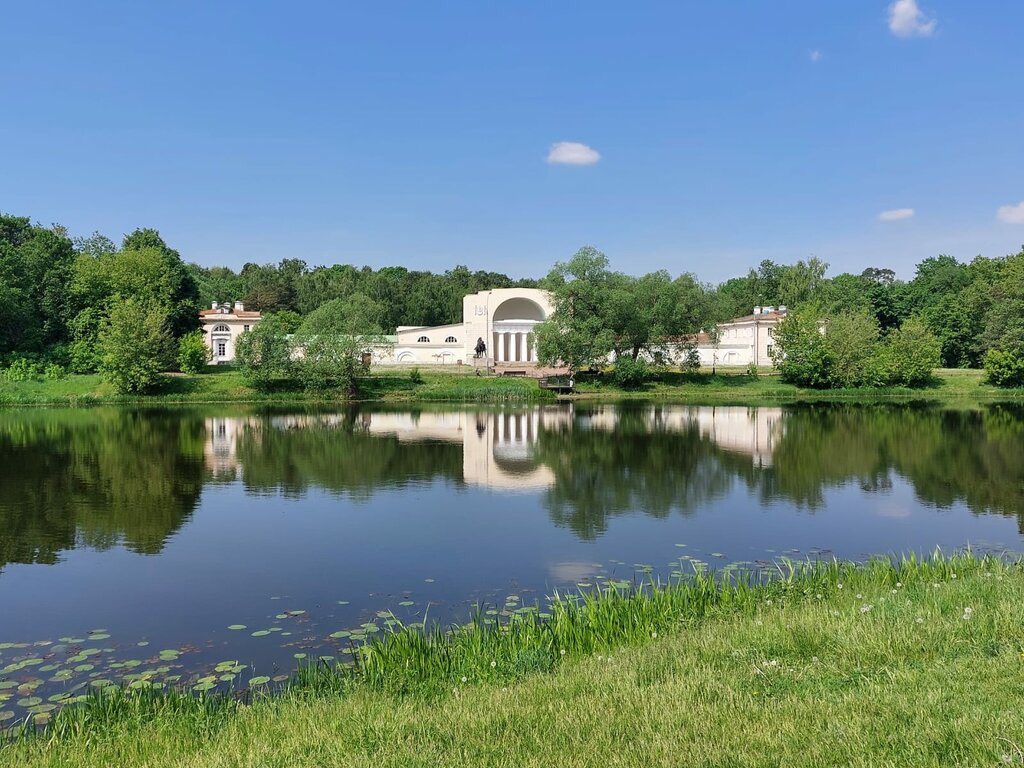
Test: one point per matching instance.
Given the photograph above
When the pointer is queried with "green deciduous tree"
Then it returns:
(264, 353)
(134, 345)
(193, 354)
(578, 333)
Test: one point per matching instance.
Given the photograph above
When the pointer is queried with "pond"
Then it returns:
(210, 547)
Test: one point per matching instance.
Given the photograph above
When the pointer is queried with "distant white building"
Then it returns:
(500, 321)
(742, 340)
(222, 324)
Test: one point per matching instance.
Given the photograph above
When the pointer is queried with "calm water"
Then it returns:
(127, 534)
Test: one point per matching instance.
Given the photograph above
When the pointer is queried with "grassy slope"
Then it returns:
(787, 678)
(453, 385)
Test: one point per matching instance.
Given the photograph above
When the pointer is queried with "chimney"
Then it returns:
(757, 310)
(782, 309)
(213, 305)
(239, 307)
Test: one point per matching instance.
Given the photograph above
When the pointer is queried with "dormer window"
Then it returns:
(423, 340)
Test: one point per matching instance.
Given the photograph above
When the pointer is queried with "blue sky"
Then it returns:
(419, 134)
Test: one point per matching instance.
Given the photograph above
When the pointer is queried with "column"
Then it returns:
(523, 356)
(503, 347)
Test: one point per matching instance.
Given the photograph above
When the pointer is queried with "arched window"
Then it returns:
(451, 340)
(221, 329)
(423, 340)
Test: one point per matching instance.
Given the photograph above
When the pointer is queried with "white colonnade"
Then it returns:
(514, 345)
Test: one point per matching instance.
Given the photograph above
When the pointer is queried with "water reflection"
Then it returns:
(123, 477)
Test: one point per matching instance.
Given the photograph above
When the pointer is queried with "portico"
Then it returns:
(513, 342)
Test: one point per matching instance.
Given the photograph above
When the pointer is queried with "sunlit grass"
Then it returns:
(917, 663)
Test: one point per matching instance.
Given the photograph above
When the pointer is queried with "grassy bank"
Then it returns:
(462, 385)
(912, 665)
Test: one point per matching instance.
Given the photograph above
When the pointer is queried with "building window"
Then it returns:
(423, 340)
(771, 333)
(451, 340)
(221, 329)
(770, 348)
(222, 348)
(245, 328)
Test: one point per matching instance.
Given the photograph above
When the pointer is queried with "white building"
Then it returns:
(742, 340)
(502, 318)
(222, 324)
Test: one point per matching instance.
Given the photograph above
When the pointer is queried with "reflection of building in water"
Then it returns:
(497, 446)
(750, 431)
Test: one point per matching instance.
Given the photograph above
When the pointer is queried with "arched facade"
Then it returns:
(504, 318)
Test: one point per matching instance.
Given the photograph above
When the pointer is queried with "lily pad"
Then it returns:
(340, 634)
(406, 603)
(261, 680)
(29, 701)
(261, 633)
(237, 626)
(202, 687)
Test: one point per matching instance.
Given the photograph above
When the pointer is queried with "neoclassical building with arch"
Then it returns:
(502, 318)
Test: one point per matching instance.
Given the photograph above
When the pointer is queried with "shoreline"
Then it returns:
(954, 387)
(786, 653)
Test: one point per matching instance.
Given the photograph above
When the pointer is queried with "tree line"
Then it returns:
(88, 304)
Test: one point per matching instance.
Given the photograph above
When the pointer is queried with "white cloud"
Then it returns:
(1011, 214)
(814, 55)
(896, 214)
(572, 153)
(907, 20)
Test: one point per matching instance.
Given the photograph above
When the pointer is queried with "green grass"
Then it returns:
(915, 664)
(224, 384)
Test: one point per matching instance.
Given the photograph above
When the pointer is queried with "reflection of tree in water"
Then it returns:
(96, 477)
(339, 456)
(972, 457)
(640, 466)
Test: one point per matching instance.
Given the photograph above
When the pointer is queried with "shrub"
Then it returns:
(193, 354)
(264, 354)
(801, 354)
(1004, 369)
(415, 376)
(53, 371)
(908, 355)
(630, 373)
(22, 369)
(133, 346)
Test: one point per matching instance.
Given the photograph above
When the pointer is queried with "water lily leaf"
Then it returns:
(340, 634)
(201, 687)
(6, 715)
(281, 616)
(39, 709)
(261, 633)
(29, 701)
(261, 680)
(279, 678)
(237, 626)
(299, 655)
(343, 602)
(99, 636)
(407, 603)
(227, 678)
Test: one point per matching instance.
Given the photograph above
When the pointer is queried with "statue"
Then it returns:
(480, 348)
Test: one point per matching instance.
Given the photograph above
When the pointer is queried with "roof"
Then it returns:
(752, 318)
(241, 314)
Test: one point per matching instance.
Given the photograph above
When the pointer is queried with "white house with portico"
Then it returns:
(221, 325)
(503, 319)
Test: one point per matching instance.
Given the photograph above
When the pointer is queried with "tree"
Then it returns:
(264, 353)
(909, 355)
(193, 354)
(333, 340)
(850, 340)
(800, 352)
(578, 334)
(134, 343)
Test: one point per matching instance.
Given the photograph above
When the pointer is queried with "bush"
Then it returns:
(630, 373)
(1004, 369)
(415, 376)
(801, 354)
(23, 369)
(908, 356)
(264, 354)
(193, 354)
(329, 362)
(53, 371)
(133, 346)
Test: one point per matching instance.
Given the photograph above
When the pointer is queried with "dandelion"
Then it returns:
(759, 622)
(562, 651)
(840, 585)
(654, 635)
(866, 607)
(463, 678)
(860, 596)
(494, 664)
(967, 613)
(895, 591)
(767, 602)
(953, 576)
(814, 659)
(919, 620)
(819, 595)
(899, 584)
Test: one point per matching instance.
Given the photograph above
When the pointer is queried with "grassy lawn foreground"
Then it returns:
(873, 672)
